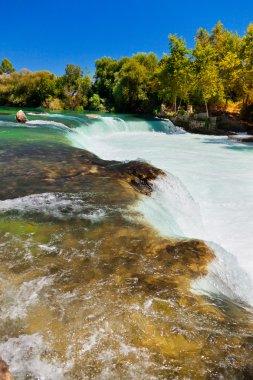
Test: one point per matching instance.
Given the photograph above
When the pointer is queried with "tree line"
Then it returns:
(215, 73)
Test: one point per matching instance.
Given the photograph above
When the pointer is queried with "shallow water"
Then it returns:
(88, 288)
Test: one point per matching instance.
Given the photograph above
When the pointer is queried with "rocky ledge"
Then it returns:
(27, 169)
(220, 124)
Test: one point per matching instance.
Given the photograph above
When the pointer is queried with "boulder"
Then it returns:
(21, 117)
(4, 371)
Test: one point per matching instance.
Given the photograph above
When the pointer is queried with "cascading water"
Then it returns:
(174, 212)
(217, 174)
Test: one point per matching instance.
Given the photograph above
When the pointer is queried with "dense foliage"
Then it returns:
(216, 73)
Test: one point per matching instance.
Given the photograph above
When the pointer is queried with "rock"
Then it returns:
(230, 122)
(140, 175)
(4, 371)
(21, 117)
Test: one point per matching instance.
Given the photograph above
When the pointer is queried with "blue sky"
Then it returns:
(50, 34)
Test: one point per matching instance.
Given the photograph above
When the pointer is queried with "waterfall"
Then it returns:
(174, 212)
(172, 209)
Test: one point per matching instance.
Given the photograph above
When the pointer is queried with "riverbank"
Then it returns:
(220, 125)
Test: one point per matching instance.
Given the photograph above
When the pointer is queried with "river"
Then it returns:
(67, 313)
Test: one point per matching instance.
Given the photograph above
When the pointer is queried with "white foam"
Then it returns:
(37, 113)
(6, 123)
(58, 205)
(15, 301)
(24, 354)
(47, 123)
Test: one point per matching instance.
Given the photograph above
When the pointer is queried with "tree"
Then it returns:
(106, 70)
(84, 90)
(6, 67)
(207, 82)
(31, 89)
(74, 88)
(174, 75)
(247, 59)
(96, 103)
(227, 52)
(71, 76)
(134, 89)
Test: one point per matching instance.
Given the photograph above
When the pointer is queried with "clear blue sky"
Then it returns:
(49, 34)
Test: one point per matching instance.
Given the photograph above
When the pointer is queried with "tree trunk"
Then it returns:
(207, 113)
(178, 109)
(175, 105)
(226, 104)
(247, 100)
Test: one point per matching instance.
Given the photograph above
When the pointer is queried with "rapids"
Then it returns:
(99, 283)
(209, 197)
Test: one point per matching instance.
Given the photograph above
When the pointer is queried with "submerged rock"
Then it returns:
(21, 117)
(4, 371)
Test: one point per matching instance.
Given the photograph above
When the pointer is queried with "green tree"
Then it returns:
(174, 73)
(96, 103)
(247, 72)
(207, 82)
(74, 88)
(134, 89)
(106, 69)
(84, 90)
(227, 52)
(6, 67)
(72, 74)
(31, 89)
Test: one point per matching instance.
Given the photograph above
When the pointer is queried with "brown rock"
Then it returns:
(4, 371)
(140, 175)
(20, 117)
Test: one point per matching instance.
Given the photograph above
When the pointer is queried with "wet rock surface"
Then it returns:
(27, 169)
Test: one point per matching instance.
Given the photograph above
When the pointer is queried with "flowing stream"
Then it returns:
(66, 312)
